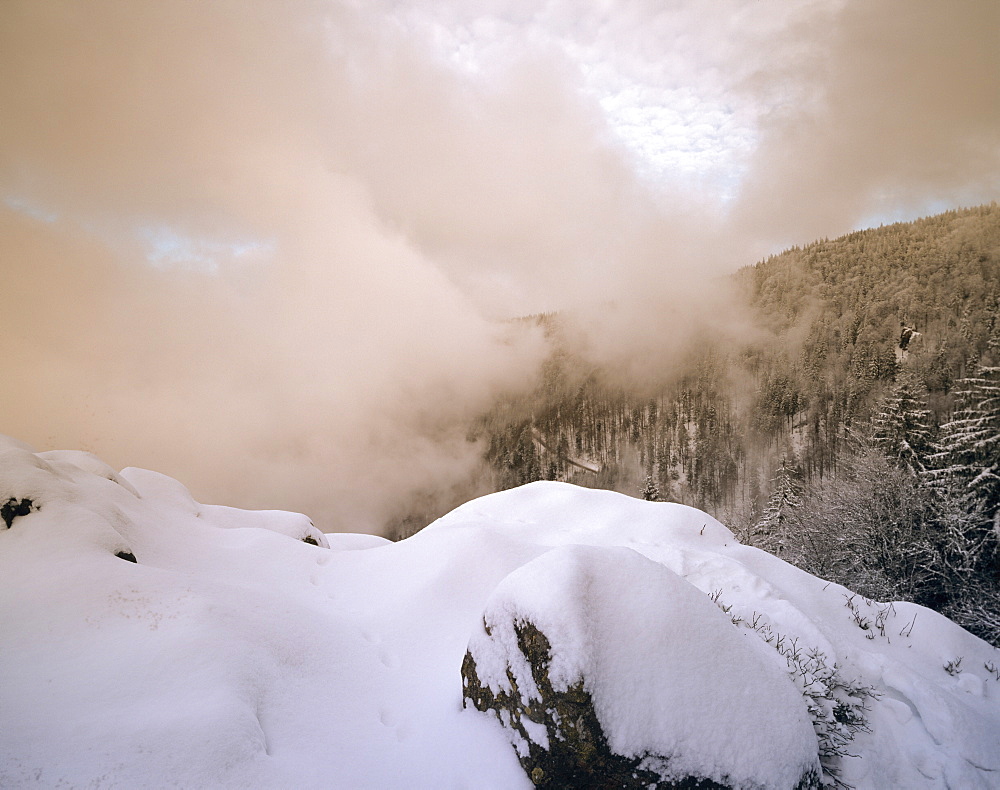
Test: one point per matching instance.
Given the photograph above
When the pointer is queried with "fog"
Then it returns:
(270, 249)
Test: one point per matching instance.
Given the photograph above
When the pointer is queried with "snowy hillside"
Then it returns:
(150, 641)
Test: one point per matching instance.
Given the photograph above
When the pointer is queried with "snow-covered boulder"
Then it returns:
(605, 667)
(880, 680)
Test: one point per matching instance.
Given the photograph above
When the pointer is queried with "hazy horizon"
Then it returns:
(267, 248)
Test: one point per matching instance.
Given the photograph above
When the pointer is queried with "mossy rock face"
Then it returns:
(577, 752)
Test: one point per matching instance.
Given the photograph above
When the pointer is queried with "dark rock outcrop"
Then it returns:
(14, 507)
(574, 751)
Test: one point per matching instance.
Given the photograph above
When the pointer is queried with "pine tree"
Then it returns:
(901, 426)
(968, 452)
(786, 496)
(650, 492)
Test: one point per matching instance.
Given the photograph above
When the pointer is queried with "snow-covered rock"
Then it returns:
(234, 653)
(606, 664)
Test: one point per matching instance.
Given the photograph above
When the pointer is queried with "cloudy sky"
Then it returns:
(267, 247)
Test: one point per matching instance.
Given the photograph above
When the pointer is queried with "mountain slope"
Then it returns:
(832, 317)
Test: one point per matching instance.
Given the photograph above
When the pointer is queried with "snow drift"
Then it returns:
(147, 640)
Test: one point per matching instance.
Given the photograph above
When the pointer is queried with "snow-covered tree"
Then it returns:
(786, 496)
(901, 426)
(968, 451)
(649, 491)
(883, 531)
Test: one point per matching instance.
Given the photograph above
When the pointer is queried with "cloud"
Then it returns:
(263, 247)
(212, 293)
(896, 111)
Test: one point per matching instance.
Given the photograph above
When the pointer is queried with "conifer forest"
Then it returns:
(856, 435)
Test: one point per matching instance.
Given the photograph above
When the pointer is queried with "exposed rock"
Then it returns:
(13, 508)
(574, 751)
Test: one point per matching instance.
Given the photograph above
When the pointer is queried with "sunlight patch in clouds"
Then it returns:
(673, 118)
(676, 134)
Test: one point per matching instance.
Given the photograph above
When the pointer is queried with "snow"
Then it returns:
(647, 644)
(234, 654)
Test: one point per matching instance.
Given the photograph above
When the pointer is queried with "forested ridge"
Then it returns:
(858, 434)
